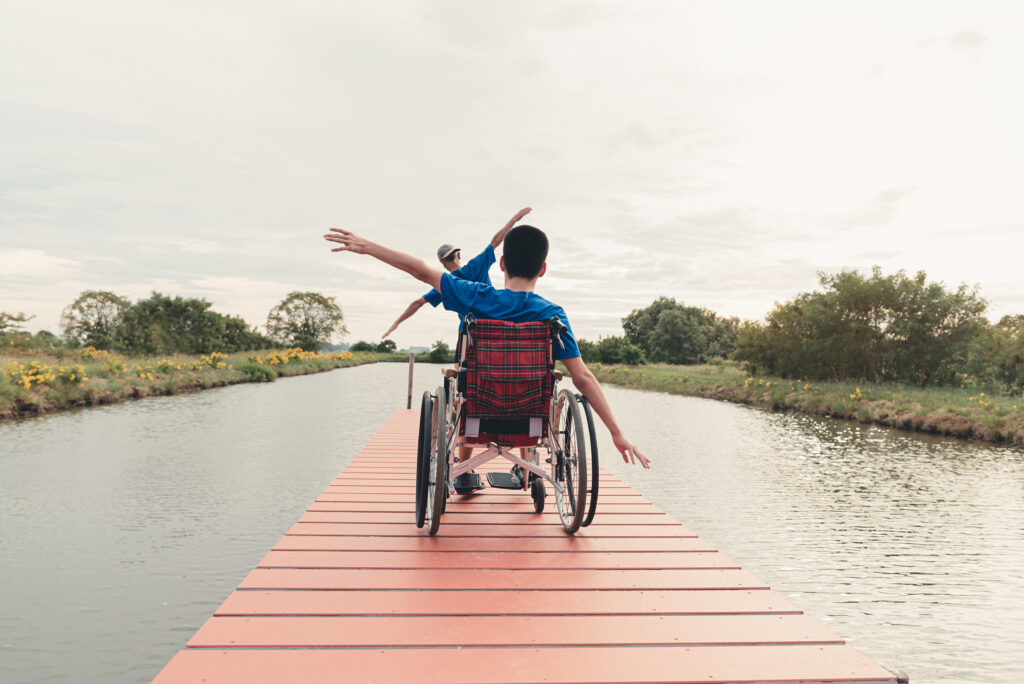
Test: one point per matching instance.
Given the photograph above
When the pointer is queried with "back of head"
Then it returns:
(525, 250)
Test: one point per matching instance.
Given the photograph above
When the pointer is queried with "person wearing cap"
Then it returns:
(476, 271)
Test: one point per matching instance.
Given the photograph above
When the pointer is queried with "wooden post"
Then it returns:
(412, 360)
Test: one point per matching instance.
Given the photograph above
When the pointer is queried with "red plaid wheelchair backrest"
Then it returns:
(509, 370)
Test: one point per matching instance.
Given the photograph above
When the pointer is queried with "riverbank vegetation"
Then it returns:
(951, 411)
(893, 350)
(33, 382)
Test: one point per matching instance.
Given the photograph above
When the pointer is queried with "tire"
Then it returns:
(569, 465)
(423, 456)
(537, 493)
(592, 463)
(437, 484)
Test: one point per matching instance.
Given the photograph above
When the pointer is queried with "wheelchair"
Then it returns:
(503, 393)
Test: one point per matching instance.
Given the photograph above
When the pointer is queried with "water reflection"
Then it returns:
(122, 528)
(910, 547)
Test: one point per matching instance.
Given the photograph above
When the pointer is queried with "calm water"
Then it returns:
(122, 528)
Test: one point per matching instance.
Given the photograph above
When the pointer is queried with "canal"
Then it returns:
(123, 527)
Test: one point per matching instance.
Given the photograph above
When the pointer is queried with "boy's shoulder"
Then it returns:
(500, 303)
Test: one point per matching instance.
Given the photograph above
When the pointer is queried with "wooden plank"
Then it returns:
(341, 579)
(491, 497)
(544, 518)
(470, 506)
(536, 630)
(526, 602)
(481, 560)
(410, 490)
(564, 544)
(451, 529)
(597, 665)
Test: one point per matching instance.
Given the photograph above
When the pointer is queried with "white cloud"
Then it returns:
(35, 264)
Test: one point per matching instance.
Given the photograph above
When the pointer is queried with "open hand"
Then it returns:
(349, 241)
(520, 214)
(630, 454)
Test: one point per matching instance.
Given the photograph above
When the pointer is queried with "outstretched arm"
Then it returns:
(417, 268)
(500, 235)
(589, 387)
(409, 311)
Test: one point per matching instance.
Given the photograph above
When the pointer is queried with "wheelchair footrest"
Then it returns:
(504, 481)
(467, 483)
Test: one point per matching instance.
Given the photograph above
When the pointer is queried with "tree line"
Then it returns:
(667, 331)
(161, 324)
(856, 327)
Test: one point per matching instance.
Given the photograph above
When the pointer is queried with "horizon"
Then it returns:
(667, 150)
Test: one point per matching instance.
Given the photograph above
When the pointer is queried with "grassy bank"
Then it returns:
(32, 383)
(944, 411)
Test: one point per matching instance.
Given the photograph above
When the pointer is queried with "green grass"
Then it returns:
(944, 411)
(33, 383)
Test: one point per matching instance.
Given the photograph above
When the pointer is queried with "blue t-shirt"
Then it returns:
(476, 271)
(484, 301)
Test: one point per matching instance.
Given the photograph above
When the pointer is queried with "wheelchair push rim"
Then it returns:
(569, 460)
(592, 464)
(437, 483)
(423, 451)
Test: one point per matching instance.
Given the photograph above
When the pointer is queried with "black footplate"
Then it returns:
(504, 481)
(468, 482)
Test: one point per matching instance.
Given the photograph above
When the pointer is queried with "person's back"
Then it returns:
(523, 262)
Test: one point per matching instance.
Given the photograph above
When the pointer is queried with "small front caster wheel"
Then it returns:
(537, 493)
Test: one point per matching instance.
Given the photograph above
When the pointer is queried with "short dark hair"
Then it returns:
(525, 251)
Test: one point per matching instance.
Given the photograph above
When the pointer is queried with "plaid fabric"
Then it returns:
(508, 370)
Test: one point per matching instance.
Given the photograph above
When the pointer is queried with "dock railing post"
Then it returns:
(412, 361)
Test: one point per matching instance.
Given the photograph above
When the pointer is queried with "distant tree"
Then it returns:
(640, 324)
(997, 357)
(677, 337)
(386, 346)
(671, 332)
(440, 353)
(363, 346)
(892, 328)
(13, 322)
(95, 318)
(240, 336)
(161, 324)
(588, 350)
(619, 350)
(306, 319)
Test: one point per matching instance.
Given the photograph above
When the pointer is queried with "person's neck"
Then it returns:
(519, 284)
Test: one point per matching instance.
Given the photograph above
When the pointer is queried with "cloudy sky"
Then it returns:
(719, 153)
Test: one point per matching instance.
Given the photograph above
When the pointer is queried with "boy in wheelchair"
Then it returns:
(523, 262)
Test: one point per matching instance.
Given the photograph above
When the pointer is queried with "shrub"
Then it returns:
(257, 372)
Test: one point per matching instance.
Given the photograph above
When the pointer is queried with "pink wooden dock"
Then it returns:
(354, 592)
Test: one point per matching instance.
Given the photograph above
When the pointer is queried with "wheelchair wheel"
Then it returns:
(437, 485)
(537, 493)
(592, 464)
(423, 456)
(569, 465)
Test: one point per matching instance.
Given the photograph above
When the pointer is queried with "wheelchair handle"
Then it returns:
(557, 328)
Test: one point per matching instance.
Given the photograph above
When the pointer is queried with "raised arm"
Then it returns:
(588, 385)
(409, 311)
(500, 235)
(414, 266)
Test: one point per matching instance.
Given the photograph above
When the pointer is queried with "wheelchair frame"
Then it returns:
(569, 440)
